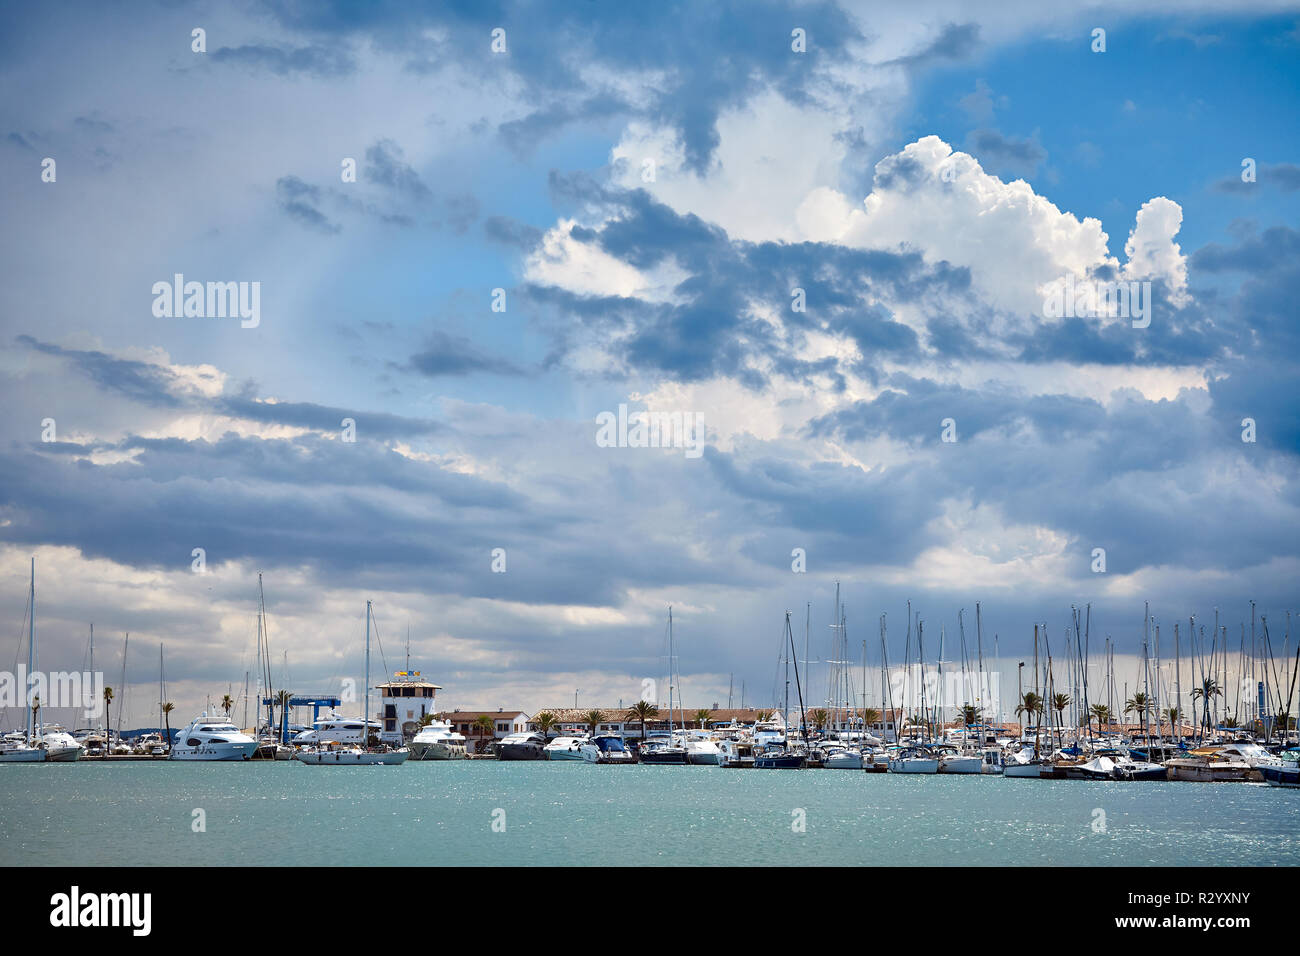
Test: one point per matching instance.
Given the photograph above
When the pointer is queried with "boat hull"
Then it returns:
(914, 765)
(780, 762)
(352, 758)
(1281, 776)
(844, 760)
(1210, 773)
(1022, 770)
(23, 756)
(962, 764)
(670, 758)
(436, 751)
(521, 752)
(211, 752)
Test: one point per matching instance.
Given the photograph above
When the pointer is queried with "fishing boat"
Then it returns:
(438, 741)
(332, 753)
(564, 748)
(606, 748)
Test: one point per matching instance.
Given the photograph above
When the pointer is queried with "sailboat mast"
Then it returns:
(670, 675)
(31, 655)
(365, 712)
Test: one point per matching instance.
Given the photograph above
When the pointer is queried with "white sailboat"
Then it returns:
(332, 753)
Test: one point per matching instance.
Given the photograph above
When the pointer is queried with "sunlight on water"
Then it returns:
(568, 813)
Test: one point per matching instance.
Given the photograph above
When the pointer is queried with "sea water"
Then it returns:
(485, 812)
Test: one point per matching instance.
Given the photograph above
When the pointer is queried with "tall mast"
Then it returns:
(31, 656)
(670, 675)
(365, 712)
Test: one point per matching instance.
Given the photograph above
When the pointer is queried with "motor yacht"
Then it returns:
(564, 748)
(438, 741)
(334, 753)
(337, 729)
(701, 748)
(735, 752)
(522, 746)
(663, 751)
(1210, 765)
(606, 748)
(1286, 773)
(212, 738)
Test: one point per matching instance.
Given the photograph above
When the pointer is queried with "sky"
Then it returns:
(831, 235)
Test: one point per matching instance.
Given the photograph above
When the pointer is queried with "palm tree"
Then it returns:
(1030, 705)
(167, 709)
(486, 727)
(642, 711)
(227, 702)
(820, 718)
(1172, 714)
(593, 718)
(1102, 713)
(1059, 703)
(1205, 693)
(108, 706)
(969, 714)
(703, 715)
(1138, 704)
(763, 715)
(869, 716)
(545, 722)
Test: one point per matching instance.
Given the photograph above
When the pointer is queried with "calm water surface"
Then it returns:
(139, 814)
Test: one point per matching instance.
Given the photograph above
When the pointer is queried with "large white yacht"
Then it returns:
(335, 728)
(438, 741)
(213, 738)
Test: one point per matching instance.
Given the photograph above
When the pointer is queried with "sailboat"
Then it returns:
(332, 753)
(785, 757)
(35, 744)
(667, 752)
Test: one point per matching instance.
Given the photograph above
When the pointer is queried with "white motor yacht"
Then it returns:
(438, 741)
(564, 748)
(60, 747)
(337, 729)
(213, 738)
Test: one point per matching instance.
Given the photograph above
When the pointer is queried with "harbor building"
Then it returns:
(403, 704)
(477, 737)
